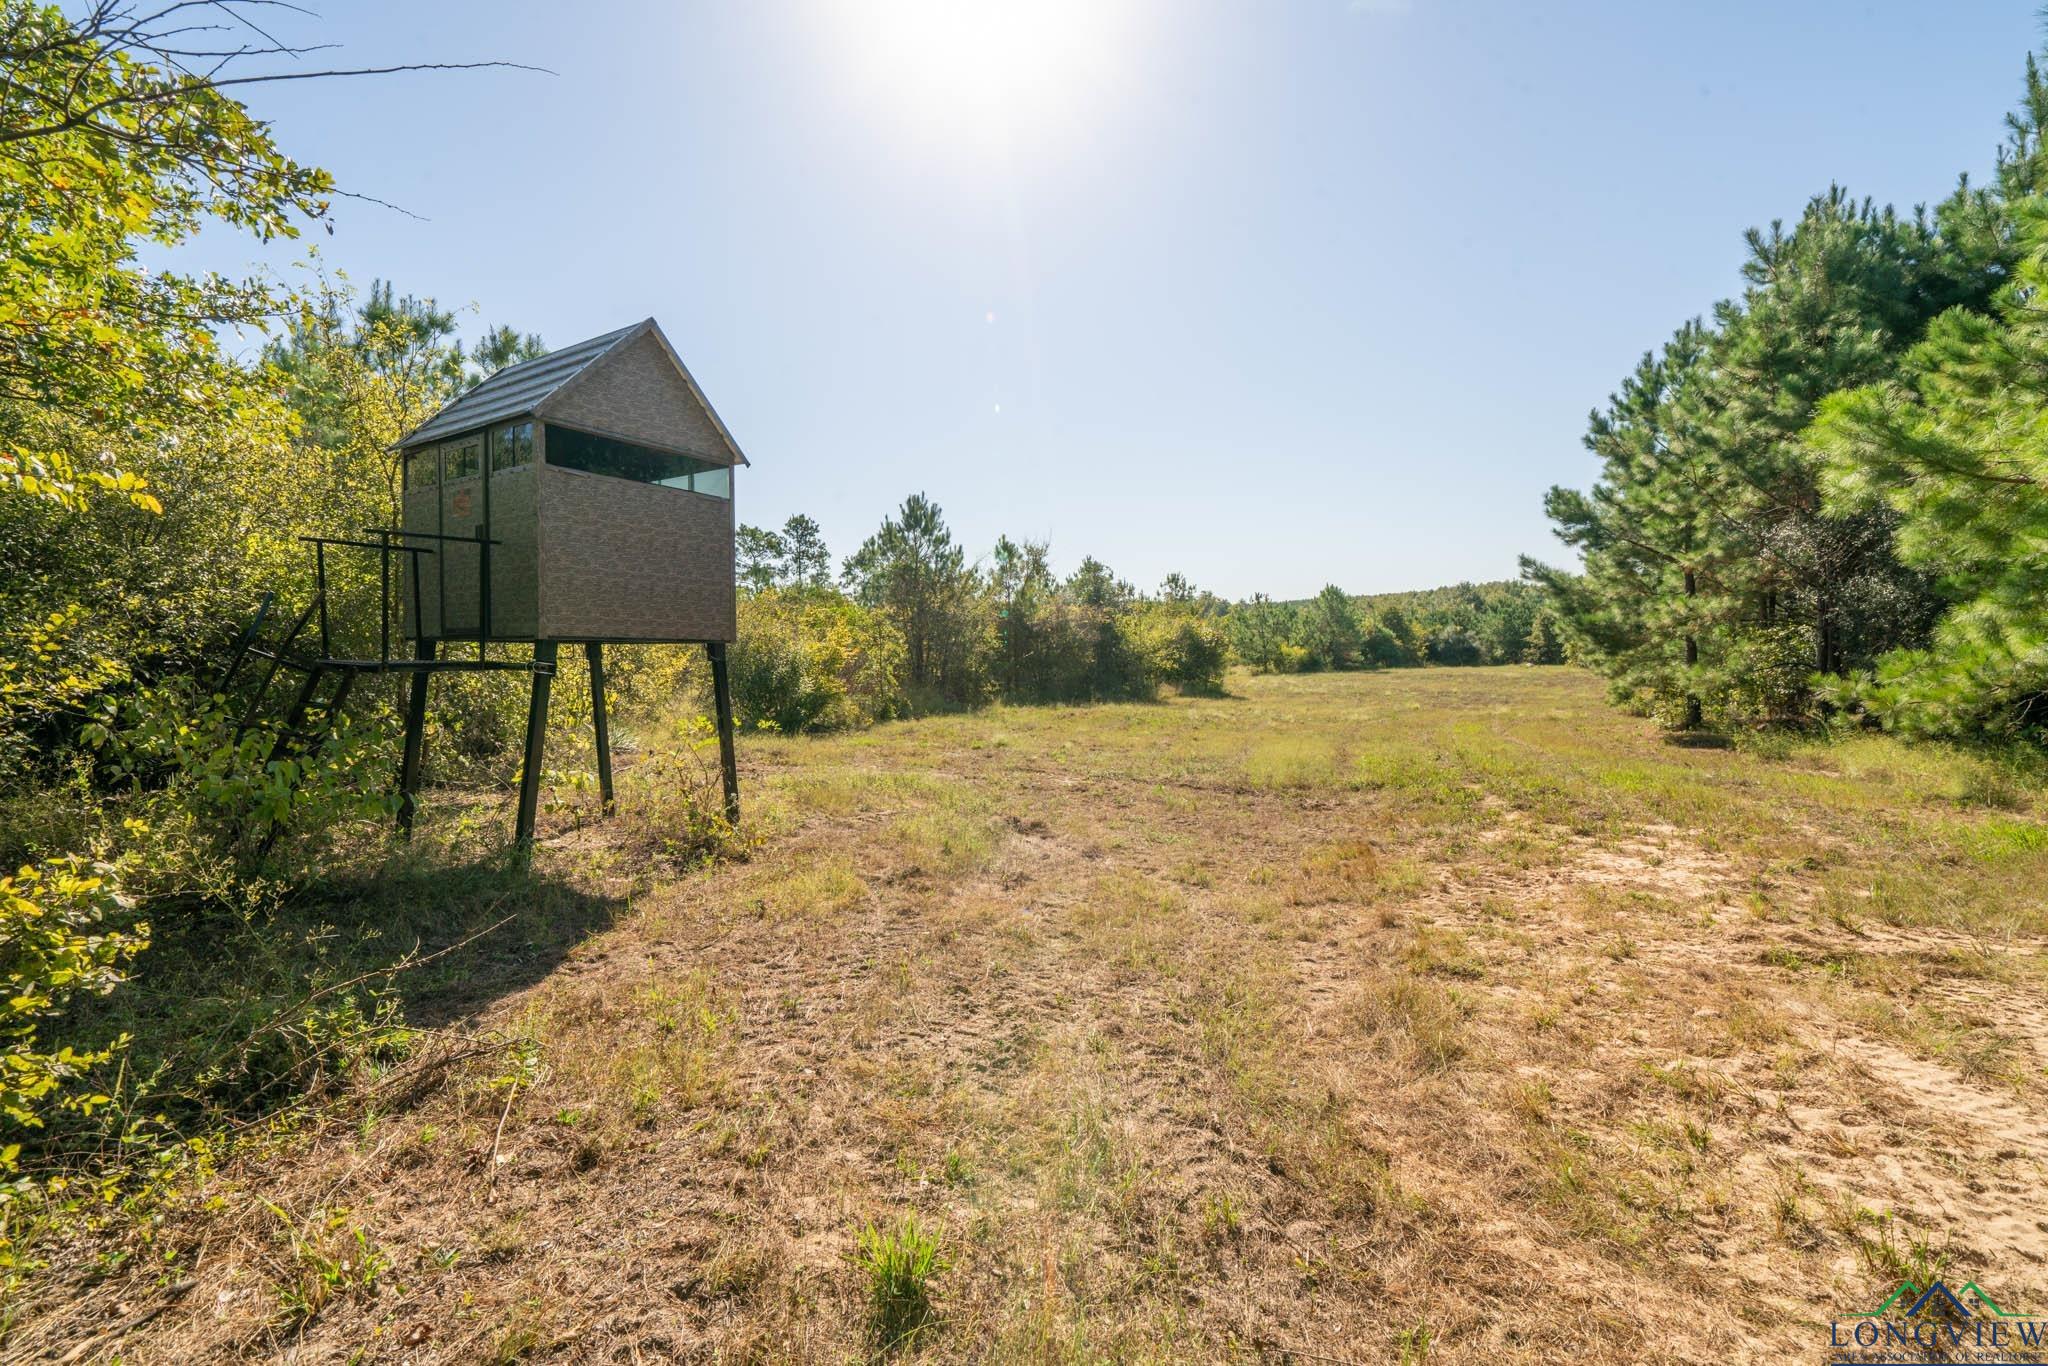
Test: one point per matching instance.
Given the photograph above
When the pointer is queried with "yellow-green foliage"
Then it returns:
(103, 354)
(61, 933)
(810, 659)
(1179, 647)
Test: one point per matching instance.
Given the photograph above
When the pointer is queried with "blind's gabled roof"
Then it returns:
(526, 389)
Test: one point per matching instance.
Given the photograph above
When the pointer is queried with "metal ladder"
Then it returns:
(315, 705)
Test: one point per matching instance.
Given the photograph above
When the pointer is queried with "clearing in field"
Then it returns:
(1433, 1013)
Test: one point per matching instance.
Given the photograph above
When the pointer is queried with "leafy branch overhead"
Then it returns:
(117, 130)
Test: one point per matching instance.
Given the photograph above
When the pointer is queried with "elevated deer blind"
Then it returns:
(584, 496)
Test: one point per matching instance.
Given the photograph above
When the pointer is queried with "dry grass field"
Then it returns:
(1405, 1016)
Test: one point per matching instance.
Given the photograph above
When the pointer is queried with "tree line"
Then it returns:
(909, 623)
(1829, 498)
(1485, 623)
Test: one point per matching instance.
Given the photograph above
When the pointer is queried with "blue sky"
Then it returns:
(1273, 294)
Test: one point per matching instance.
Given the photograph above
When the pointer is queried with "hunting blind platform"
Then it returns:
(582, 497)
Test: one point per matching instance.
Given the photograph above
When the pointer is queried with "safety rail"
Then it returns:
(391, 542)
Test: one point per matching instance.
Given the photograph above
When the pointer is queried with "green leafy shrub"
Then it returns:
(1455, 647)
(672, 803)
(1769, 677)
(179, 750)
(1182, 649)
(810, 659)
(772, 687)
(62, 933)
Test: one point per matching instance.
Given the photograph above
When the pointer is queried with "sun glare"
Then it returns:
(988, 68)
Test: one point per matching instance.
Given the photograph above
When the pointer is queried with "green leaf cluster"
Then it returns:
(64, 931)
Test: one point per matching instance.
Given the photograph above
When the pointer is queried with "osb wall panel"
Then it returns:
(462, 512)
(635, 393)
(627, 561)
(449, 575)
(422, 513)
(515, 561)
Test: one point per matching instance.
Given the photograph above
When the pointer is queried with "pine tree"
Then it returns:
(1259, 631)
(1635, 610)
(1022, 584)
(759, 554)
(1830, 305)
(501, 346)
(1715, 577)
(914, 570)
(806, 563)
(1092, 584)
(1328, 629)
(1543, 645)
(1958, 451)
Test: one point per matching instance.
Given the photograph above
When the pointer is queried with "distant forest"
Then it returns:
(910, 623)
(1505, 622)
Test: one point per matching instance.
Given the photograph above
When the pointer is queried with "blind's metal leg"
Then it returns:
(536, 741)
(721, 689)
(415, 739)
(601, 721)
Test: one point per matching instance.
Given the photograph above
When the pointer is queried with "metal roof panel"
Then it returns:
(514, 391)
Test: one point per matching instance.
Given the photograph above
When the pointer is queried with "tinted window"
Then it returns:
(423, 467)
(574, 450)
(463, 458)
(512, 446)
